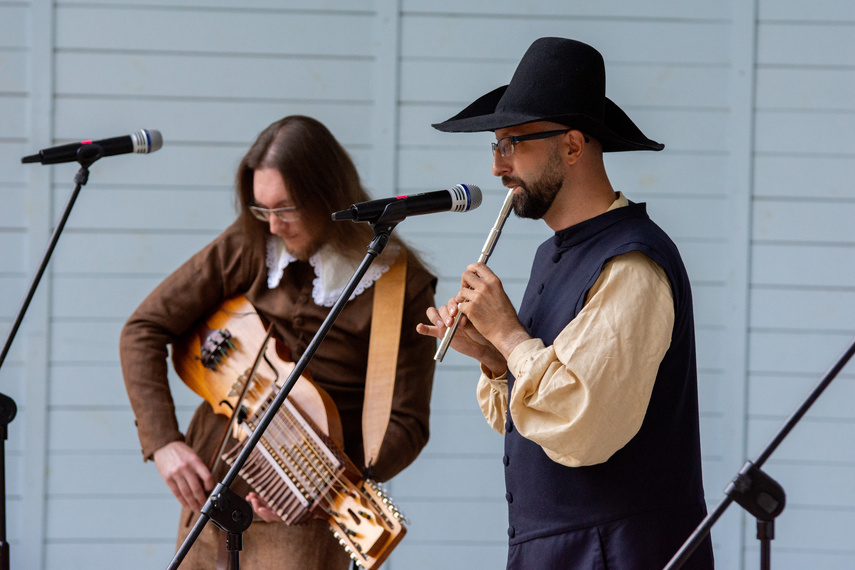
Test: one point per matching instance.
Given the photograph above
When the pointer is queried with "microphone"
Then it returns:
(143, 142)
(458, 198)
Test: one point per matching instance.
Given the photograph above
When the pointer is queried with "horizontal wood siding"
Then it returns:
(755, 103)
(669, 71)
(802, 283)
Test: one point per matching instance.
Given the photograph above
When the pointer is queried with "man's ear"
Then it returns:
(575, 144)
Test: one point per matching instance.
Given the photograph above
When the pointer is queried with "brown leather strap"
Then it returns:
(386, 320)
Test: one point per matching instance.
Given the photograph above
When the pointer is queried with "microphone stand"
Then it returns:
(753, 489)
(86, 155)
(229, 511)
(8, 409)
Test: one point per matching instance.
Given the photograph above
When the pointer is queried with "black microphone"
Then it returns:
(458, 198)
(143, 142)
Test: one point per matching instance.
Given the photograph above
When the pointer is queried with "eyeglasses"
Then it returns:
(506, 145)
(286, 214)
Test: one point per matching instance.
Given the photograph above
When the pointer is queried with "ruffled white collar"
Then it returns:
(332, 271)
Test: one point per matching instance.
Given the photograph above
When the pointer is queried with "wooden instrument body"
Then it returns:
(298, 466)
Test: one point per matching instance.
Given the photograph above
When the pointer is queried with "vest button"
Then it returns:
(509, 427)
(512, 532)
(556, 257)
(506, 460)
(509, 498)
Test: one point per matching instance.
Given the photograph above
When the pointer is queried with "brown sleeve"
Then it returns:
(223, 268)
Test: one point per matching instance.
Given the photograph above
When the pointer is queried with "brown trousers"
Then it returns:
(267, 546)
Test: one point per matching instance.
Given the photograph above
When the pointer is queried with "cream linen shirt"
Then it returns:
(584, 397)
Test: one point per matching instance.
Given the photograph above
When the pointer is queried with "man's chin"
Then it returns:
(302, 254)
(523, 208)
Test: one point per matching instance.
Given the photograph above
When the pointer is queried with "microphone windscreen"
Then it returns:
(155, 139)
(469, 193)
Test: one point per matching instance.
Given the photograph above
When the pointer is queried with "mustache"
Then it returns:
(509, 181)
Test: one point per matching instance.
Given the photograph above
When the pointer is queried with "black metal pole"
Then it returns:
(394, 213)
(753, 468)
(8, 409)
(86, 155)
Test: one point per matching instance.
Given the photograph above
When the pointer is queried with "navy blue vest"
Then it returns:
(661, 466)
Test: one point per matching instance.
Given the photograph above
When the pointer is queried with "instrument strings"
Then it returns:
(279, 429)
(310, 465)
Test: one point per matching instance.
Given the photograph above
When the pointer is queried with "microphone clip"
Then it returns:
(86, 155)
(393, 214)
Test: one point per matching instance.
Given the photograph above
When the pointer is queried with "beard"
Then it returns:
(303, 249)
(303, 254)
(538, 195)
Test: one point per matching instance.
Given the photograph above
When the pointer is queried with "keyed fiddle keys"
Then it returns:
(300, 473)
(298, 466)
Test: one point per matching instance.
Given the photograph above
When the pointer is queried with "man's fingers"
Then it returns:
(205, 476)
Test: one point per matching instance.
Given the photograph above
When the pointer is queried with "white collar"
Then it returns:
(333, 271)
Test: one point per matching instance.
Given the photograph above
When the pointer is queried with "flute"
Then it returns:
(492, 238)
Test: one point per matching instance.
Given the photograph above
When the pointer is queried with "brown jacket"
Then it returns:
(231, 265)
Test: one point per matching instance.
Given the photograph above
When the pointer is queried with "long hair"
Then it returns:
(319, 175)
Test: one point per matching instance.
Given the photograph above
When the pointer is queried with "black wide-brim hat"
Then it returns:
(560, 81)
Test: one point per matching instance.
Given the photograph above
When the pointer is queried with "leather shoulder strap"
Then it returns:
(386, 320)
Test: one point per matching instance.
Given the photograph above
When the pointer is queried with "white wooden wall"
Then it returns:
(754, 100)
(802, 286)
